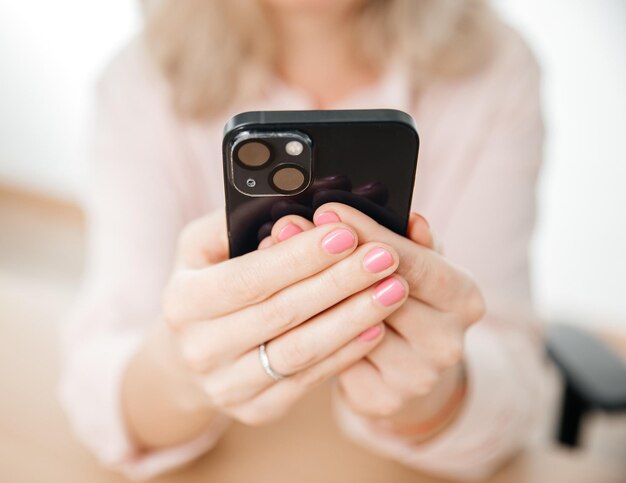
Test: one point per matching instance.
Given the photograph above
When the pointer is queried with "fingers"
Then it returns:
(408, 364)
(266, 243)
(203, 242)
(418, 231)
(365, 391)
(438, 337)
(246, 329)
(251, 278)
(315, 340)
(289, 226)
(402, 368)
(285, 228)
(274, 401)
(431, 277)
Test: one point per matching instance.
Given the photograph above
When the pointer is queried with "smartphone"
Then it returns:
(291, 162)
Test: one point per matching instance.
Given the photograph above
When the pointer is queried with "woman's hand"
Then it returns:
(408, 383)
(314, 299)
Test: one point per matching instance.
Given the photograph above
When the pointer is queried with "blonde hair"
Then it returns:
(214, 52)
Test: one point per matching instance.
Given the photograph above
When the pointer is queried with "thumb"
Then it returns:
(419, 231)
(203, 241)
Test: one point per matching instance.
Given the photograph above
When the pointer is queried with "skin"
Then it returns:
(316, 53)
(415, 370)
(201, 357)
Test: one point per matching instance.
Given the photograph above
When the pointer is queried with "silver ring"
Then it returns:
(265, 363)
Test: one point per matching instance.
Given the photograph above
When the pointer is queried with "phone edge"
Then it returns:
(247, 118)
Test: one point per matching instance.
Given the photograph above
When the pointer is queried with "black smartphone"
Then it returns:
(291, 162)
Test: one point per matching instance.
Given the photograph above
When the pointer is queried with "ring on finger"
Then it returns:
(267, 367)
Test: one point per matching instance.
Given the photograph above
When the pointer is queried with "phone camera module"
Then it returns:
(253, 154)
(270, 162)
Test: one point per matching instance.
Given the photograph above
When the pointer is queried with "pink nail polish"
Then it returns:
(338, 241)
(326, 217)
(370, 334)
(389, 292)
(377, 260)
(288, 231)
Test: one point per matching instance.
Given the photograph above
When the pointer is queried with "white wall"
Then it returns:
(580, 249)
(50, 55)
(51, 52)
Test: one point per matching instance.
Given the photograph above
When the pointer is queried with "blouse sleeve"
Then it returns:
(488, 231)
(134, 214)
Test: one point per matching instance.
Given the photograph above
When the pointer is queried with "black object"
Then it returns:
(364, 158)
(595, 378)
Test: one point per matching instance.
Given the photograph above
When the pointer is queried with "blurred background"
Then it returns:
(51, 54)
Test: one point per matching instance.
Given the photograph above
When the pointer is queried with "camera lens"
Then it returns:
(288, 178)
(253, 154)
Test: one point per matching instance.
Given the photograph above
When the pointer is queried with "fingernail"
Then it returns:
(338, 241)
(288, 231)
(377, 260)
(370, 334)
(326, 217)
(389, 292)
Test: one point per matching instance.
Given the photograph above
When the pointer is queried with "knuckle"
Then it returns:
(215, 391)
(173, 305)
(379, 405)
(253, 414)
(194, 359)
(388, 405)
(245, 280)
(188, 234)
(199, 358)
(310, 378)
(274, 415)
(250, 417)
(277, 311)
(417, 270)
(221, 396)
(425, 383)
(474, 304)
(295, 355)
(332, 280)
(413, 383)
(291, 260)
(444, 280)
(449, 355)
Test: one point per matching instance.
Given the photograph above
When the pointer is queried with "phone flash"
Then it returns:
(294, 148)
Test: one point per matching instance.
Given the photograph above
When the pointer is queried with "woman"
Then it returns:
(164, 331)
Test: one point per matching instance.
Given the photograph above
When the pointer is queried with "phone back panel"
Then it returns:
(363, 158)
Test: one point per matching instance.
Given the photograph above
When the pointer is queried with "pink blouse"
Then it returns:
(481, 149)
